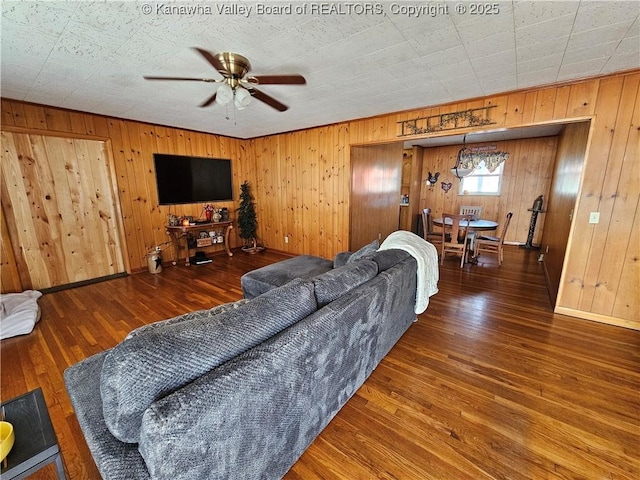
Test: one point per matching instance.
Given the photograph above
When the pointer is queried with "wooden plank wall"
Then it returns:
(602, 270)
(602, 267)
(527, 174)
(62, 213)
(303, 190)
(133, 145)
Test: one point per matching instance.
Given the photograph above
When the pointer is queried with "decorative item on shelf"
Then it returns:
(204, 241)
(446, 186)
(470, 158)
(473, 117)
(185, 222)
(216, 216)
(432, 179)
(404, 199)
(172, 220)
(247, 222)
(224, 211)
(208, 211)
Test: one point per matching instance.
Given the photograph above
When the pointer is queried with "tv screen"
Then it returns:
(183, 179)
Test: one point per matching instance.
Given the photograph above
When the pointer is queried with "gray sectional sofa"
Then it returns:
(241, 390)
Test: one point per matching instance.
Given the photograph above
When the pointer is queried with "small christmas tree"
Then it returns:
(247, 222)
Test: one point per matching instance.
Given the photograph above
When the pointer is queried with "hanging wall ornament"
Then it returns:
(432, 179)
(446, 186)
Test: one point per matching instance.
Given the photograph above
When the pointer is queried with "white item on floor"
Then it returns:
(19, 313)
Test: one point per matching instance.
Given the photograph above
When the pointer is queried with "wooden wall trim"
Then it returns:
(594, 317)
(52, 133)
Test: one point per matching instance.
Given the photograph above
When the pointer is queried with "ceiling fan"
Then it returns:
(235, 84)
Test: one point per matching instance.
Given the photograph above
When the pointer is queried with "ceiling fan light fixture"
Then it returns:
(242, 98)
(224, 94)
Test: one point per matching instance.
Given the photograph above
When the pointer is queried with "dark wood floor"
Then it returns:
(488, 384)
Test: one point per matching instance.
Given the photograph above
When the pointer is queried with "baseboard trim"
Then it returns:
(91, 281)
(595, 317)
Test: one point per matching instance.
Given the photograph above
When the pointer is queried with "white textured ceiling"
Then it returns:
(91, 56)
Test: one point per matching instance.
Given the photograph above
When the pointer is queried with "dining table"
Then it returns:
(477, 225)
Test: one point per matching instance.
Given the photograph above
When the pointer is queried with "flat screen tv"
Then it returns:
(183, 179)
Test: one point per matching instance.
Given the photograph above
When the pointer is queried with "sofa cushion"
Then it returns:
(156, 361)
(341, 259)
(263, 279)
(364, 251)
(388, 258)
(337, 282)
(225, 307)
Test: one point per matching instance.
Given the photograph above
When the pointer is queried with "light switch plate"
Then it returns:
(594, 217)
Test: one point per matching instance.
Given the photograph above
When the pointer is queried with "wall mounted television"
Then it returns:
(183, 179)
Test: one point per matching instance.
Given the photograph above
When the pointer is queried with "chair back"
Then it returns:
(459, 233)
(427, 220)
(427, 228)
(474, 210)
(506, 227)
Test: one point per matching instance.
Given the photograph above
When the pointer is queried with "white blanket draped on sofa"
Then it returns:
(427, 257)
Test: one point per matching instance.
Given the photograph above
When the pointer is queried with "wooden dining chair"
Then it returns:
(459, 238)
(493, 245)
(476, 213)
(427, 228)
(474, 210)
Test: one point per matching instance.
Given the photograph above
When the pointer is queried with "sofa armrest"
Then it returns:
(115, 460)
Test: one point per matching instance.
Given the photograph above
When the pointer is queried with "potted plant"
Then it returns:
(247, 223)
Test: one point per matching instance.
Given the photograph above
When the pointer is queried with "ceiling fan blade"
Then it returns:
(209, 101)
(189, 79)
(212, 59)
(277, 79)
(269, 100)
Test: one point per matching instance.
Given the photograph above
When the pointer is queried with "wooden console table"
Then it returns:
(182, 231)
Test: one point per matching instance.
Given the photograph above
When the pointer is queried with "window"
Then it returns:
(482, 182)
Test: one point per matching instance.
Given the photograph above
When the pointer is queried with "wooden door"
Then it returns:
(376, 174)
(562, 201)
(61, 209)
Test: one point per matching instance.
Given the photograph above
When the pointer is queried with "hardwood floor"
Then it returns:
(488, 384)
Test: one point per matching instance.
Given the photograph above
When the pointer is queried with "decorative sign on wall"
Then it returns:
(446, 186)
(474, 117)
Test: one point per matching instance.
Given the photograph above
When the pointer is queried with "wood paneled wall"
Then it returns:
(601, 277)
(301, 180)
(133, 145)
(61, 209)
(527, 174)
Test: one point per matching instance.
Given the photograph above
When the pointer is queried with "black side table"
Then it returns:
(36, 444)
